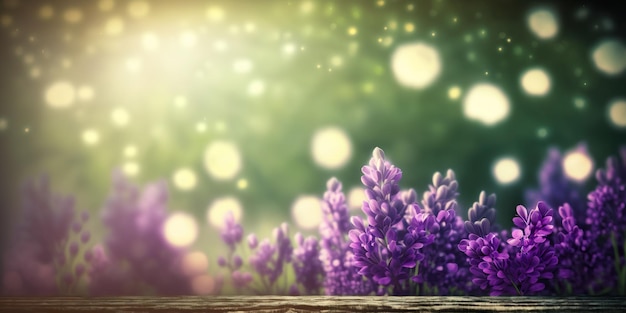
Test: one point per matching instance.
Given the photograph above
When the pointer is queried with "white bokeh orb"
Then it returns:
(486, 103)
(220, 207)
(536, 82)
(506, 171)
(307, 212)
(543, 23)
(180, 229)
(331, 147)
(610, 57)
(184, 179)
(617, 113)
(60, 95)
(577, 165)
(222, 160)
(415, 65)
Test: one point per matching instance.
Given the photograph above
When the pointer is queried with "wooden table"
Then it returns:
(312, 304)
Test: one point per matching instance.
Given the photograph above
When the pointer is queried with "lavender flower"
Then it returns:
(444, 270)
(605, 228)
(525, 265)
(384, 252)
(134, 221)
(43, 244)
(341, 277)
(307, 266)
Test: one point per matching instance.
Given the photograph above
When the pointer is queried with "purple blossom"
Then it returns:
(134, 220)
(525, 265)
(42, 245)
(604, 228)
(387, 249)
(445, 270)
(307, 265)
(341, 277)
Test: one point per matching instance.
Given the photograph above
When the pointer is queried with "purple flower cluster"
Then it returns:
(444, 269)
(43, 254)
(524, 265)
(307, 266)
(267, 260)
(134, 221)
(341, 277)
(388, 249)
(398, 248)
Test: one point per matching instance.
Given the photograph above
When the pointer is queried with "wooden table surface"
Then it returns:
(311, 304)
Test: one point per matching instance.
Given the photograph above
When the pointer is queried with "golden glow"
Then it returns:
(90, 137)
(130, 151)
(356, 196)
(203, 284)
(242, 184)
(73, 15)
(352, 31)
(415, 65)
(185, 179)
(60, 95)
(610, 57)
(114, 26)
(215, 14)
(150, 41)
(85, 93)
(331, 148)
(46, 12)
(486, 103)
(220, 207)
(180, 229)
(120, 117)
(222, 160)
(409, 27)
(307, 212)
(506, 171)
(195, 263)
(536, 82)
(617, 113)
(454, 92)
(106, 5)
(543, 24)
(130, 168)
(577, 165)
(138, 8)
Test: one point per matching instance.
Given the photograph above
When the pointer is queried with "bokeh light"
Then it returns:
(577, 165)
(536, 82)
(195, 263)
(180, 229)
(331, 147)
(454, 92)
(138, 8)
(150, 41)
(506, 170)
(617, 112)
(610, 57)
(131, 168)
(220, 207)
(415, 65)
(543, 23)
(73, 15)
(91, 137)
(60, 95)
(114, 26)
(486, 103)
(356, 196)
(307, 212)
(222, 160)
(120, 117)
(85, 93)
(203, 284)
(184, 179)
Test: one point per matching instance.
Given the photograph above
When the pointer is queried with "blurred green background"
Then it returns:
(258, 103)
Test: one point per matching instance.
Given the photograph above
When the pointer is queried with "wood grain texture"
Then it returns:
(311, 304)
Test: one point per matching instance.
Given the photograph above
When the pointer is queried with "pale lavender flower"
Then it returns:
(341, 277)
(134, 220)
(445, 270)
(307, 266)
(39, 249)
